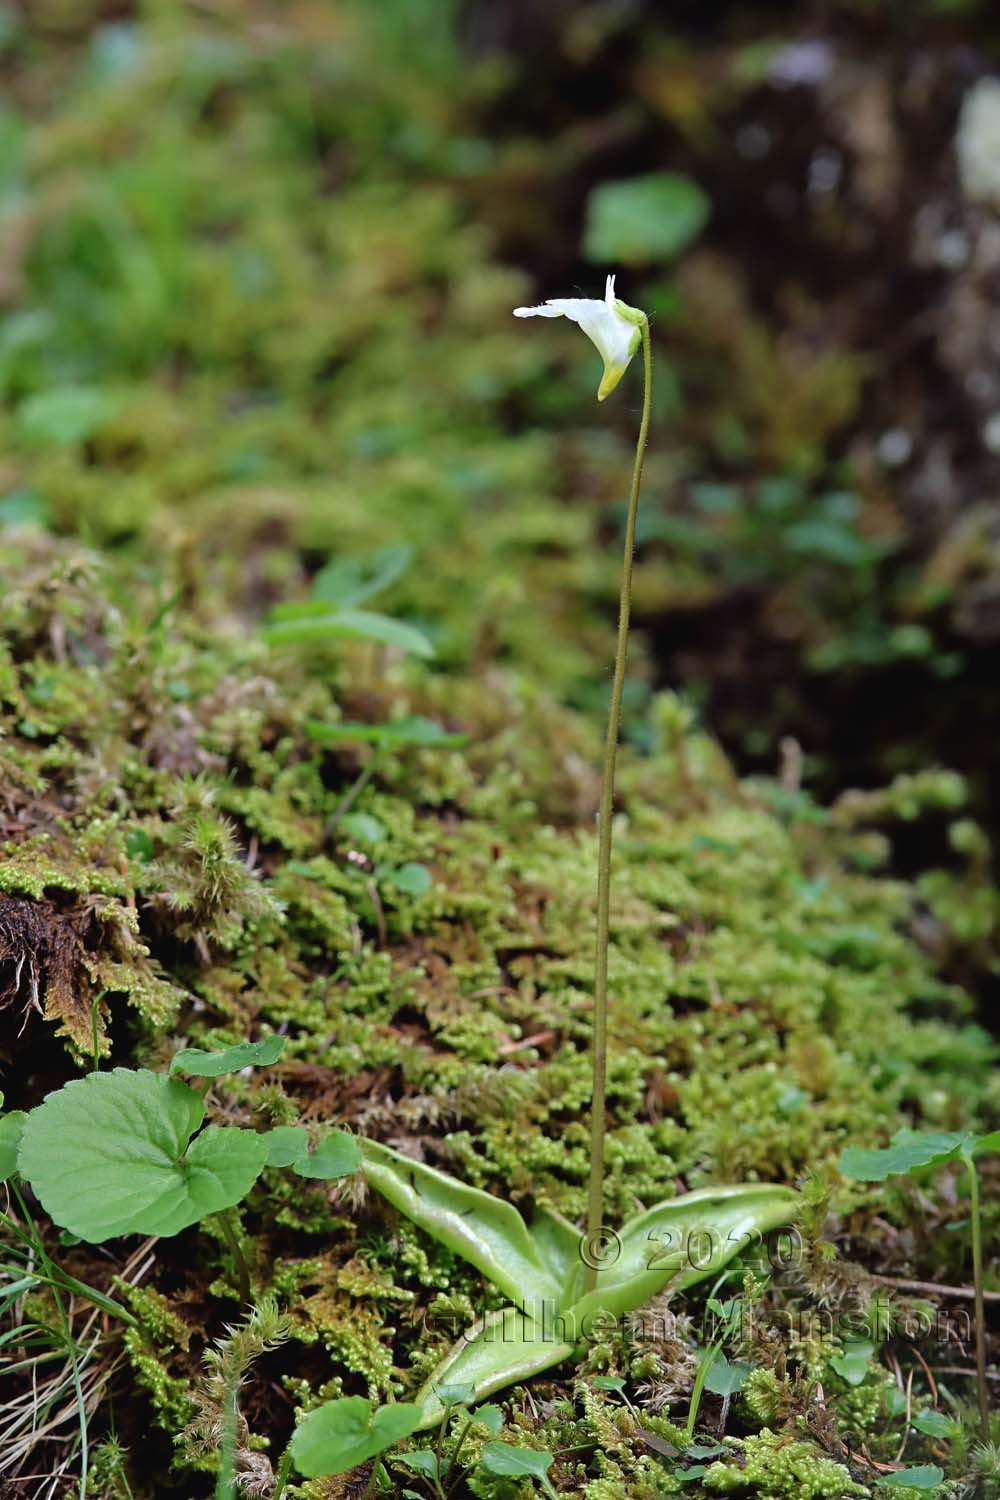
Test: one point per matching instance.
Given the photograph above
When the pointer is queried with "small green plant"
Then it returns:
(911, 1151)
(124, 1152)
(341, 1435)
(333, 610)
(617, 330)
(508, 1461)
(540, 1266)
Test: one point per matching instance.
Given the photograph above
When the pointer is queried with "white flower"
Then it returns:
(612, 325)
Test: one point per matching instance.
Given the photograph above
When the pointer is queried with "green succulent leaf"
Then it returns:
(337, 1154)
(558, 1243)
(487, 1232)
(201, 1064)
(11, 1130)
(113, 1154)
(908, 1151)
(355, 623)
(342, 1434)
(679, 1243)
(502, 1349)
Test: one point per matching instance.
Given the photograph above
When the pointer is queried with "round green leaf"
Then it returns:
(337, 1155)
(342, 1434)
(64, 415)
(504, 1458)
(908, 1151)
(11, 1130)
(201, 1064)
(924, 1477)
(286, 1144)
(647, 218)
(111, 1154)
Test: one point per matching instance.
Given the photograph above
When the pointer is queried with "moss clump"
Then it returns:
(773, 1467)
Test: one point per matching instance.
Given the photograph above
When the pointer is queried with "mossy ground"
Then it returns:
(267, 331)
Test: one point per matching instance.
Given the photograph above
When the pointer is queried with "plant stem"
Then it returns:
(353, 792)
(232, 1239)
(373, 1480)
(281, 1477)
(595, 1202)
(977, 1282)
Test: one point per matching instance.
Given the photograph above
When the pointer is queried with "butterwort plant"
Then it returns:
(618, 331)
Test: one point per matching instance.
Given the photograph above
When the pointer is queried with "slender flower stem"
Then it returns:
(595, 1204)
(977, 1282)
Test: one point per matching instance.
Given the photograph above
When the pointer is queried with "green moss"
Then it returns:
(777, 1468)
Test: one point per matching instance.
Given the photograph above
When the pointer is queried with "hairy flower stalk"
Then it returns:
(617, 330)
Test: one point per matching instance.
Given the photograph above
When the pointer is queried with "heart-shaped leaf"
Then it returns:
(337, 1155)
(112, 1154)
(518, 1463)
(908, 1151)
(286, 1144)
(342, 1434)
(11, 1130)
(203, 1064)
(853, 1364)
(726, 1377)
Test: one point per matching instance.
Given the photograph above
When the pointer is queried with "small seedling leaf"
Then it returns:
(648, 218)
(925, 1477)
(908, 1151)
(337, 1154)
(490, 1417)
(609, 1383)
(420, 1459)
(725, 1378)
(516, 1463)
(852, 1365)
(112, 1154)
(201, 1064)
(286, 1144)
(456, 1393)
(984, 1143)
(412, 879)
(413, 730)
(935, 1424)
(11, 1130)
(342, 1434)
(363, 827)
(65, 415)
(349, 581)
